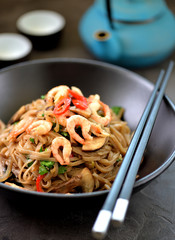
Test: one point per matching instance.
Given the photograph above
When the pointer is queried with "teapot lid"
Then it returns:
(133, 10)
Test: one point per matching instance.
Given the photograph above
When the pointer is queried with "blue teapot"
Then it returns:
(130, 33)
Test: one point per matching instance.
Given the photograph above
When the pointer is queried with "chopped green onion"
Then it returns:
(32, 140)
(65, 134)
(62, 169)
(116, 109)
(42, 170)
(118, 160)
(41, 149)
(45, 166)
(43, 96)
(30, 164)
(48, 164)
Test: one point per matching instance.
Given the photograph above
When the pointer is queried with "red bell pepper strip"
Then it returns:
(79, 104)
(78, 100)
(62, 106)
(38, 182)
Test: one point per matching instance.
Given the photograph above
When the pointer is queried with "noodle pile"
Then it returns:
(30, 159)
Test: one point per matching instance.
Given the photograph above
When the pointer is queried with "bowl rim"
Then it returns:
(139, 182)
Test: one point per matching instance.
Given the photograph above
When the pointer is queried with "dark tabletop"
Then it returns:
(151, 213)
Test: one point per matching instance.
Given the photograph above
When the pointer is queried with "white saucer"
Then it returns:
(40, 23)
(14, 47)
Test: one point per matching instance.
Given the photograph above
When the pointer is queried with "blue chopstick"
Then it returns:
(102, 222)
(121, 206)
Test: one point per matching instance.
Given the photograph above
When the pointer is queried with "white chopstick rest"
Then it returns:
(119, 212)
(101, 224)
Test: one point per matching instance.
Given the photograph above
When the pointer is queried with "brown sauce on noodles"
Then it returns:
(63, 143)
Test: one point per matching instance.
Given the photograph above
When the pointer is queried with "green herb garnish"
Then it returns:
(30, 164)
(118, 160)
(41, 149)
(116, 109)
(42, 170)
(32, 140)
(43, 96)
(45, 166)
(65, 134)
(62, 169)
(48, 164)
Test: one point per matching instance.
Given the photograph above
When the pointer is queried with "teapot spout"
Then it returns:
(106, 46)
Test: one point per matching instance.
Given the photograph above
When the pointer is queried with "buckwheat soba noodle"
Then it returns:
(63, 143)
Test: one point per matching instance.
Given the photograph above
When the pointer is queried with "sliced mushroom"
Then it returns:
(94, 144)
(87, 180)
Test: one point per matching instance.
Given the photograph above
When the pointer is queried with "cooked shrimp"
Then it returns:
(20, 127)
(106, 111)
(77, 90)
(98, 131)
(94, 144)
(93, 98)
(62, 119)
(85, 125)
(94, 106)
(57, 93)
(39, 127)
(66, 152)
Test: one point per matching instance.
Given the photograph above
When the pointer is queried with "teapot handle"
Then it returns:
(109, 13)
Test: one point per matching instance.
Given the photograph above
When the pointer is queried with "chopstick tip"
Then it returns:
(119, 212)
(101, 224)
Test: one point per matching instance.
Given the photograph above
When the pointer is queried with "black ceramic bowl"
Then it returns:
(22, 83)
